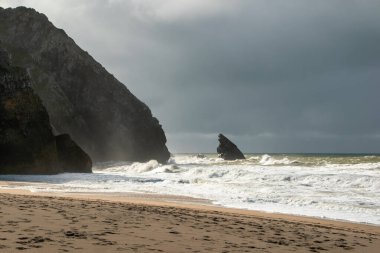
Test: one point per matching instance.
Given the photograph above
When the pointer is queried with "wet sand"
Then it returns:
(32, 222)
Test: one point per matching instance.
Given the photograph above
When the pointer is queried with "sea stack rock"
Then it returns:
(27, 144)
(81, 97)
(228, 150)
(71, 157)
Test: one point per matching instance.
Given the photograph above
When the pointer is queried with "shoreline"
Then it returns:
(169, 200)
(97, 222)
(176, 201)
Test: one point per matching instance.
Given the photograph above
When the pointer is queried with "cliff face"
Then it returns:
(71, 157)
(27, 143)
(81, 97)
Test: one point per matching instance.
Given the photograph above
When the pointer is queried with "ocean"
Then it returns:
(332, 186)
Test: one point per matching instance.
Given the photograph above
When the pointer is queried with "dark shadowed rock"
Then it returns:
(81, 97)
(4, 59)
(228, 150)
(27, 144)
(71, 157)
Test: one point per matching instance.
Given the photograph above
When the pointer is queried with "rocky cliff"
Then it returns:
(81, 97)
(71, 157)
(27, 143)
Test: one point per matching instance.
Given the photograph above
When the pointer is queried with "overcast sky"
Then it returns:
(274, 76)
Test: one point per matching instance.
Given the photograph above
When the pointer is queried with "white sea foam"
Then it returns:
(332, 187)
(268, 160)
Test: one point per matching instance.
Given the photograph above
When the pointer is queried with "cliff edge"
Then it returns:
(81, 97)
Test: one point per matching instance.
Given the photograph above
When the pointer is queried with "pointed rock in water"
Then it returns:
(81, 97)
(71, 157)
(228, 150)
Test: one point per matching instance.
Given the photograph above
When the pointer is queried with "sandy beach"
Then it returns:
(31, 222)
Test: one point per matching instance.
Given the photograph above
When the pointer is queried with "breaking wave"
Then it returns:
(332, 186)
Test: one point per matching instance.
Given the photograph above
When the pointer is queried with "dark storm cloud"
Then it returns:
(276, 76)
